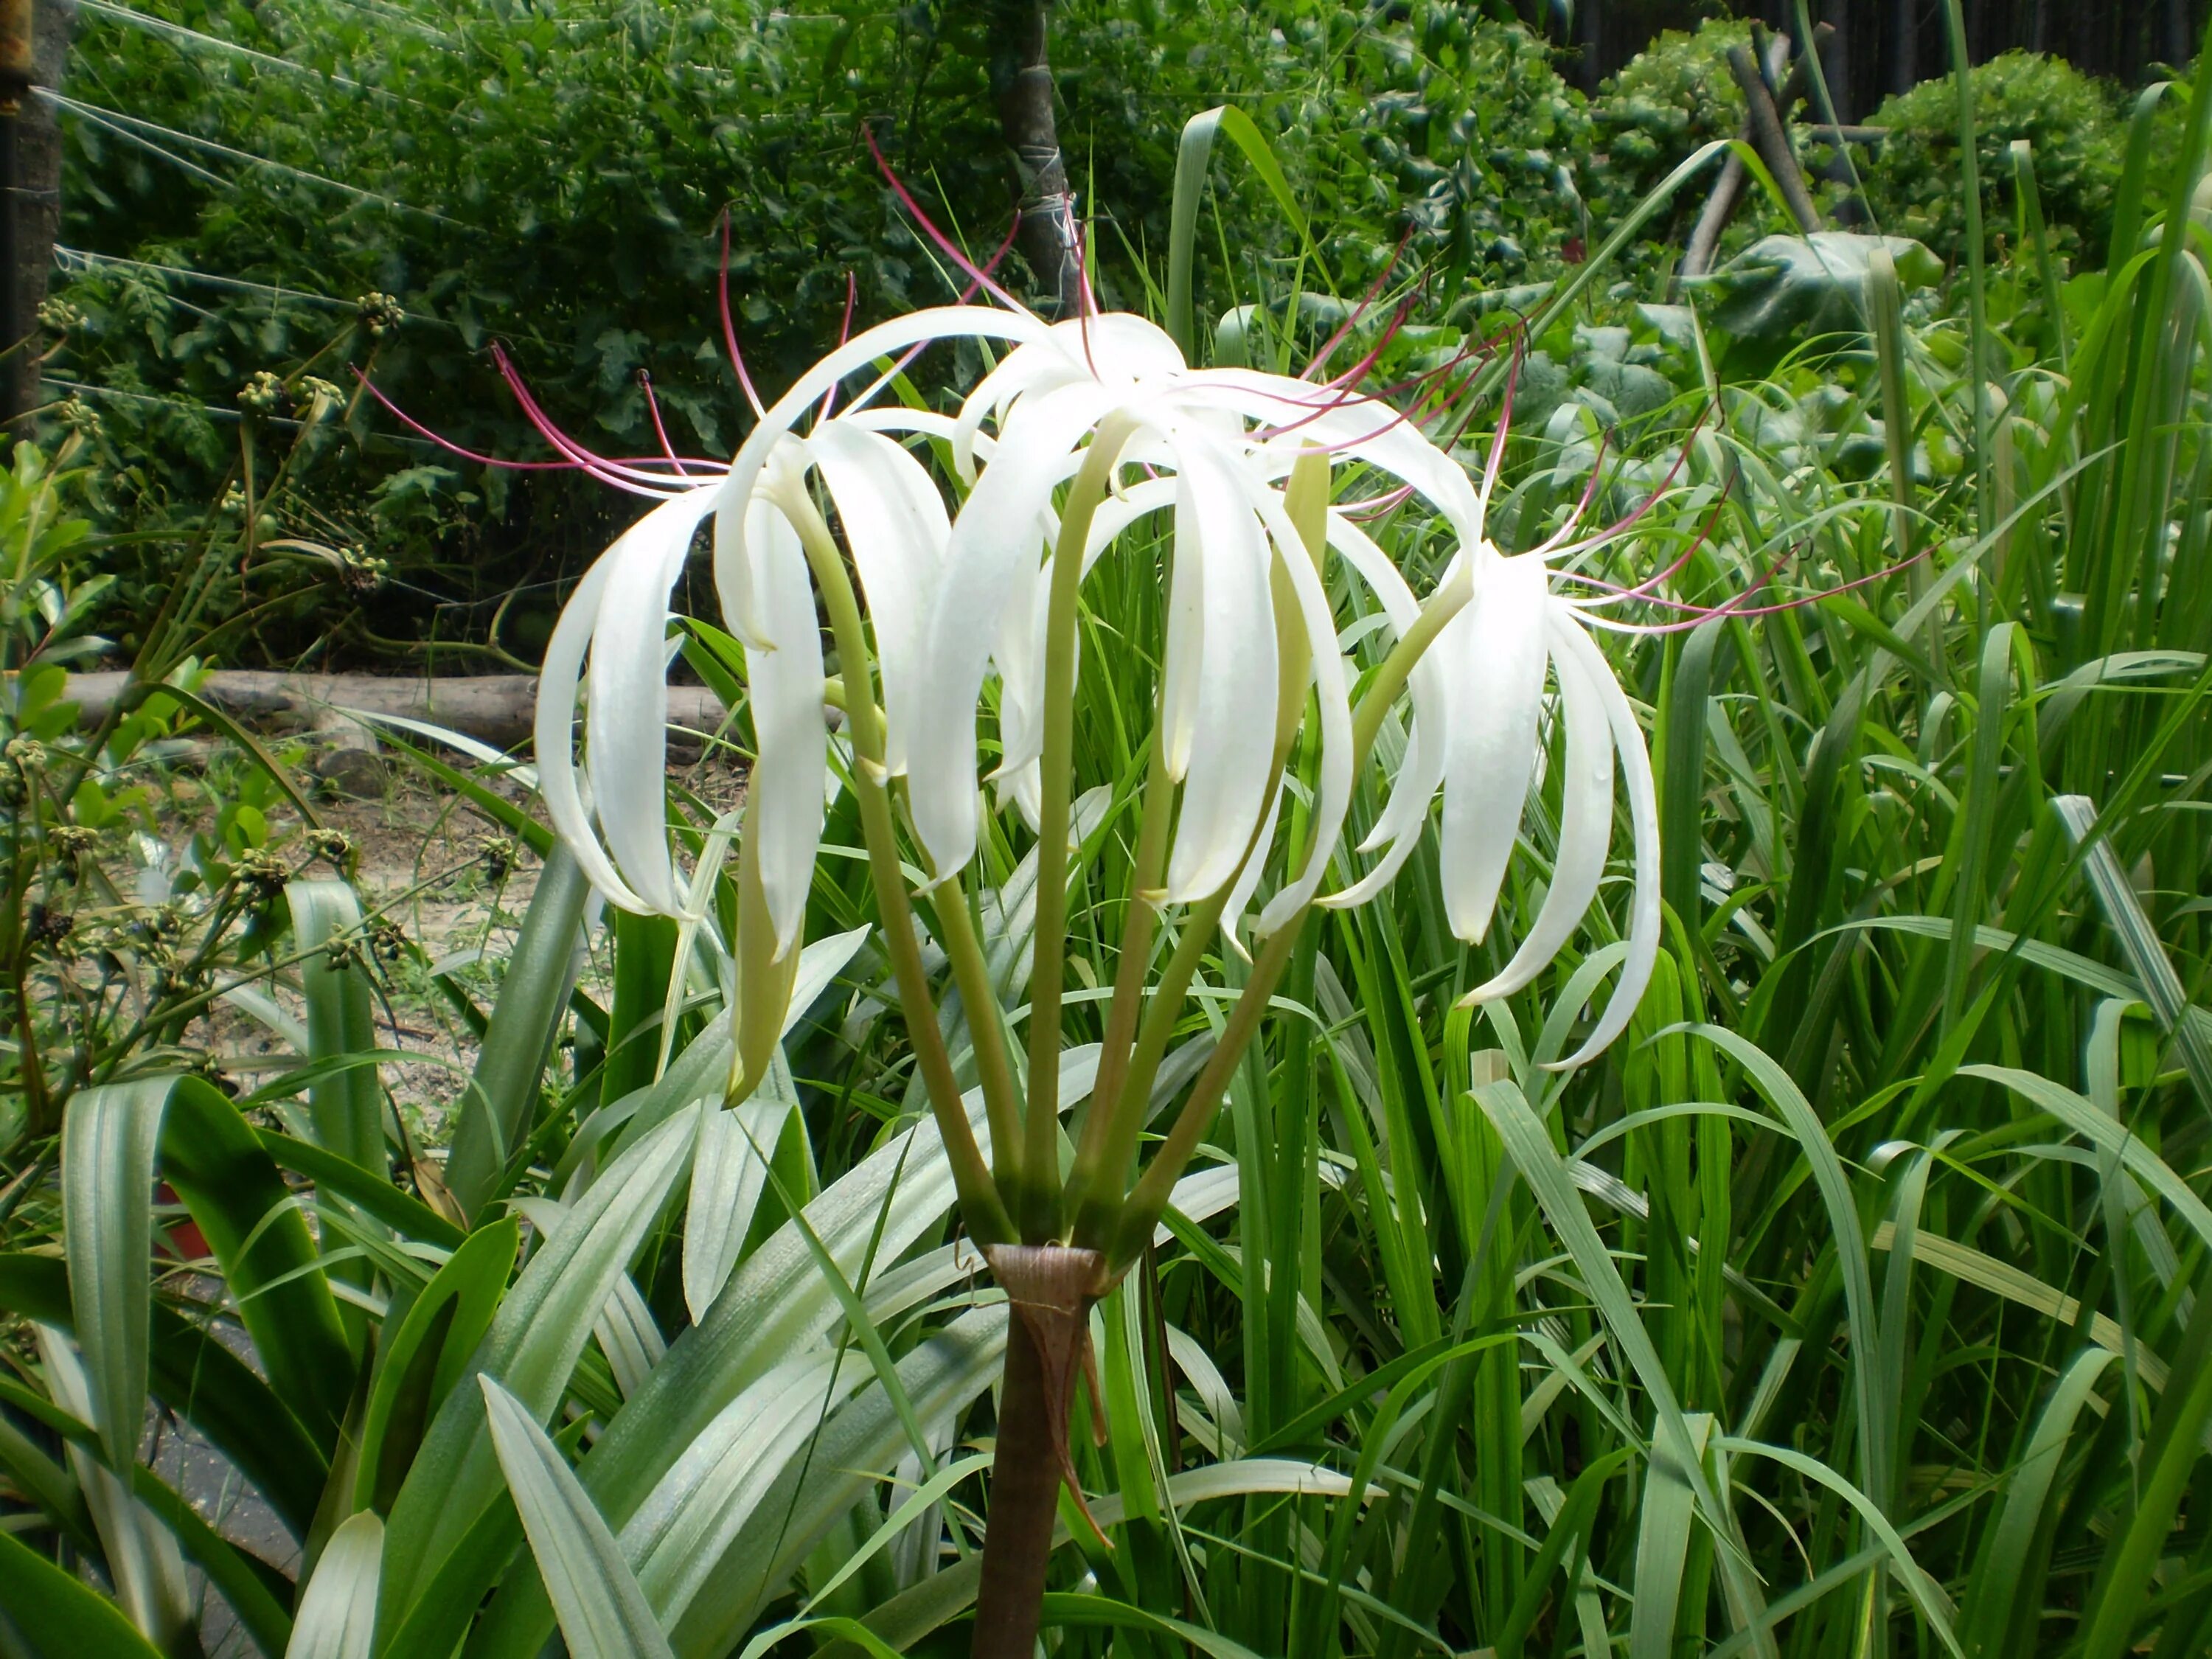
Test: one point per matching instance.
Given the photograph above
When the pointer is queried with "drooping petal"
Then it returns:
(1643, 910)
(1332, 792)
(1233, 735)
(1494, 652)
(784, 685)
(1421, 772)
(1585, 824)
(1358, 427)
(553, 734)
(626, 718)
(1248, 878)
(896, 526)
(940, 323)
(1180, 677)
(995, 544)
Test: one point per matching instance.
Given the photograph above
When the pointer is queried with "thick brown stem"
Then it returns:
(1764, 123)
(1021, 83)
(1050, 1288)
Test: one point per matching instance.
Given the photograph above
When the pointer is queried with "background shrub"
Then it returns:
(1913, 177)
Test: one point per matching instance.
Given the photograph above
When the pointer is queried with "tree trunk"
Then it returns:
(1051, 1289)
(1021, 83)
(1904, 45)
(2174, 31)
(30, 215)
(1773, 142)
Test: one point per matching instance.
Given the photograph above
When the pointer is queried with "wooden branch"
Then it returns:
(1772, 142)
(1728, 189)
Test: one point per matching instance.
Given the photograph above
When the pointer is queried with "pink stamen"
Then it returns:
(653, 407)
(951, 250)
(1569, 549)
(1736, 607)
(607, 471)
(449, 446)
(844, 333)
(729, 328)
(906, 358)
(1647, 589)
(1374, 289)
(1376, 506)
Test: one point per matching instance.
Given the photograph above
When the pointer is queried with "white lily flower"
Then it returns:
(1216, 443)
(956, 596)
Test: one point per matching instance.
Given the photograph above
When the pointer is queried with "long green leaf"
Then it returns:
(62, 1615)
(494, 1114)
(337, 1609)
(603, 1611)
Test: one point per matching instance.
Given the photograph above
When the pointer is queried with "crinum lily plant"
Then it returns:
(947, 554)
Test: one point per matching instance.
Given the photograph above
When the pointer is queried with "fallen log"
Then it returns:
(495, 709)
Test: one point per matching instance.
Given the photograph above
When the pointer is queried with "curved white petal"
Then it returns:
(1585, 823)
(991, 564)
(554, 735)
(1180, 677)
(1421, 772)
(896, 526)
(1644, 818)
(1248, 878)
(1116, 514)
(940, 323)
(1345, 424)
(784, 679)
(1333, 795)
(1493, 653)
(1233, 729)
(626, 716)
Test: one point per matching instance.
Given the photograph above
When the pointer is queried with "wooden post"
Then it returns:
(18, 68)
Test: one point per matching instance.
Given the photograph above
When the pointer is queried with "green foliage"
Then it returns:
(2072, 120)
(566, 203)
(1673, 96)
(1855, 1302)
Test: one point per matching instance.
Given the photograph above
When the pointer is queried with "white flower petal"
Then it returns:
(553, 734)
(784, 681)
(1180, 676)
(940, 323)
(1585, 823)
(1421, 772)
(995, 544)
(1345, 424)
(1333, 797)
(1233, 732)
(1493, 654)
(1248, 878)
(626, 719)
(1643, 915)
(896, 526)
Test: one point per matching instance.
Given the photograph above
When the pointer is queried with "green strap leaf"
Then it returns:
(62, 1615)
(108, 1140)
(536, 1337)
(338, 1612)
(603, 1612)
(203, 1382)
(420, 1363)
(1193, 156)
(347, 1107)
(503, 1094)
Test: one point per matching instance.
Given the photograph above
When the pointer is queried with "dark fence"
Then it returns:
(1882, 46)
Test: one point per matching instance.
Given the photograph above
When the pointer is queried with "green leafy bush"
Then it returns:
(228, 209)
(1671, 98)
(1913, 179)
